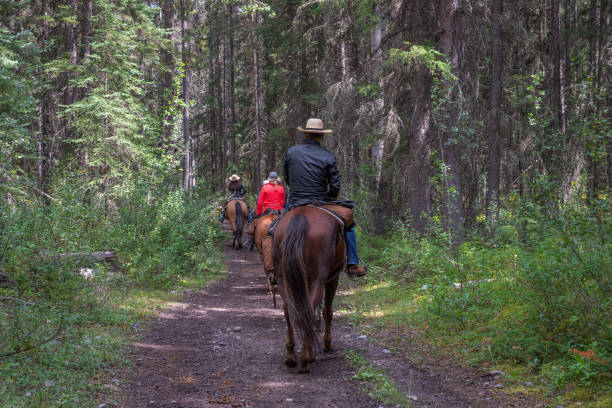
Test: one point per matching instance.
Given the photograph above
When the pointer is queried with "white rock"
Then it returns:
(497, 372)
(28, 394)
(363, 336)
(237, 328)
(289, 400)
(101, 405)
(49, 383)
(413, 397)
(385, 351)
(497, 386)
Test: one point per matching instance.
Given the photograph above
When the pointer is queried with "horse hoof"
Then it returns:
(290, 362)
(328, 349)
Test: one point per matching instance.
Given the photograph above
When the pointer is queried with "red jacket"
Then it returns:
(271, 197)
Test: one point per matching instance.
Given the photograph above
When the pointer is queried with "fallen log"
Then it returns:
(93, 257)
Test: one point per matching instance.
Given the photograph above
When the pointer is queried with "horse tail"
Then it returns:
(291, 269)
(238, 223)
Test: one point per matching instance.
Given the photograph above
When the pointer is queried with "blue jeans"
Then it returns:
(351, 247)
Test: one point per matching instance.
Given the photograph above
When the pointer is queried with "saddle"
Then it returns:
(344, 213)
(341, 210)
(253, 224)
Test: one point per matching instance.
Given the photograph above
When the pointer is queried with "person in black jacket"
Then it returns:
(237, 190)
(311, 173)
(235, 187)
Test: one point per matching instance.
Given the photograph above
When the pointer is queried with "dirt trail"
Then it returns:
(224, 347)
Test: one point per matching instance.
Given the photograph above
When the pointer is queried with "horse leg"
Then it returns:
(330, 292)
(290, 360)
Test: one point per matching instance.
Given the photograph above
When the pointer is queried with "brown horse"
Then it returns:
(261, 232)
(236, 212)
(309, 254)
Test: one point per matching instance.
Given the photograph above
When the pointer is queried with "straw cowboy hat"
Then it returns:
(234, 177)
(314, 125)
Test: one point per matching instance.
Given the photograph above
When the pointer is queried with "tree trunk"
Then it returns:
(187, 166)
(167, 59)
(494, 128)
(451, 44)
(212, 114)
(378, 149)
(419, 169)
(230, 90)
(85, 25)
(256, 102)
(557, 68)
(71, 48)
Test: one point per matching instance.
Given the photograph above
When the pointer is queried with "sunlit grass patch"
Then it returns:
(375, 382)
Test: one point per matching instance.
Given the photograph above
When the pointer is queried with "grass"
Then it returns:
(375, 382)
(76, 368)
(399, 304)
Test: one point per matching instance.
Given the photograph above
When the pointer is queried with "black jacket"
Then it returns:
(311, 173)
(236, 188)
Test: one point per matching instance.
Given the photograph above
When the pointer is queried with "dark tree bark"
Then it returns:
(451, 43)
(85, 28)
(167, 59)
(230, 90)
(419, 170)
(71, 48)
(494, 128)
(257, 103)
(557, 68)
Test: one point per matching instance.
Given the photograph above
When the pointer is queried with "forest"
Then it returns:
(474, 136)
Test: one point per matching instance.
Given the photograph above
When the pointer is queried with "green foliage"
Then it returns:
(426, 55)
(20, 88)
(539, 298)
(59, 330)
(115, 125)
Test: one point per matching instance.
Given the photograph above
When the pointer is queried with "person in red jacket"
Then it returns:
(271, 196)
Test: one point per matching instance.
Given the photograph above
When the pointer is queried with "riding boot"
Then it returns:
(222, 218)
(352, 259)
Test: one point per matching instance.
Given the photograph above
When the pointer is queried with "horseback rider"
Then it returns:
(271, 195)
(311, 174)
(237, 190)
(235, 187)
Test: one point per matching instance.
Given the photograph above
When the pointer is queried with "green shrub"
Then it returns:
(50, 314)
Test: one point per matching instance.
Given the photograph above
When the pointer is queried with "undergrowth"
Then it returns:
(66, 320)
(536, 295)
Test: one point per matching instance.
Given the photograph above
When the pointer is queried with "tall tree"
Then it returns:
(419, 159)
(494, 126)
(188, 156)
(451, 44)
(558, 94)
(167, 58)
